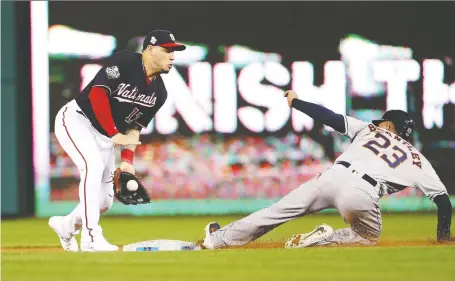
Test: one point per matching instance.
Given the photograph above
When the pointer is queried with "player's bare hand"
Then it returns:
(290, 95)
(127, 167)
(122, 139)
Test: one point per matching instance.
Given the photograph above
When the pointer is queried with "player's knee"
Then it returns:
(368, 232)
(106, 204)
(369, 239)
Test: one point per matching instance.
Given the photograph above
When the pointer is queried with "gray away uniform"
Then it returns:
(376, 163)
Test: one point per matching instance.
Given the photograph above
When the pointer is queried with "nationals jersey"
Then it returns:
(132, 100)
(386, 157)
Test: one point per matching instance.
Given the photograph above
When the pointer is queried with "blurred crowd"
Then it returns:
(208, 166)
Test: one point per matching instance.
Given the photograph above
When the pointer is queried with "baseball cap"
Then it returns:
(163, 38)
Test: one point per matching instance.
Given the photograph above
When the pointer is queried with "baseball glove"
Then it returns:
(127, 197)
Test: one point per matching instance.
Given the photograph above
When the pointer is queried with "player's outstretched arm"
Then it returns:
(317, 112)
(444, 217)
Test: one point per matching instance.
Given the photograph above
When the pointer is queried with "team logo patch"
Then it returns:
(153, 40)
(172, 37)
(112, 72)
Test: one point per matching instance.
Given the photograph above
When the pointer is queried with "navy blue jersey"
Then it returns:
(133, 101)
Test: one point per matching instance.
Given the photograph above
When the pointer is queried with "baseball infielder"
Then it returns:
(379, 161)
(121, 99)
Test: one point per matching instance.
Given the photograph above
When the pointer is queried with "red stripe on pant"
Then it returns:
(86, 173)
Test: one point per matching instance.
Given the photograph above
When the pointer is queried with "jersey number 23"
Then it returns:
(383, 142)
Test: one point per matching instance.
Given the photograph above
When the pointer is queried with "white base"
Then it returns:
(161, 245)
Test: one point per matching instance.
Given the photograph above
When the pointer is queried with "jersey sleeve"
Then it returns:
(353, 126)
(429, 182)
(113, 72)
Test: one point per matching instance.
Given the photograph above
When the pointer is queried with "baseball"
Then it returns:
(132, 185)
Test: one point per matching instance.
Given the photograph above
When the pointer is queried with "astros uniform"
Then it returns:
(376, 163)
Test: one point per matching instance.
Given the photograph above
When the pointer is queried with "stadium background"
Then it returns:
(229, 164)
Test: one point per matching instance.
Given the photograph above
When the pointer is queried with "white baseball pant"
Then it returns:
(338, 187)
(94, 156)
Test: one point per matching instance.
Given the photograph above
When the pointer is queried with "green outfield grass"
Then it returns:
(407, 262)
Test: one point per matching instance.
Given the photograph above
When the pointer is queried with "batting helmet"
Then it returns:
(403, 123)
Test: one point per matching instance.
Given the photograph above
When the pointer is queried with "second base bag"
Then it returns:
(161, 245)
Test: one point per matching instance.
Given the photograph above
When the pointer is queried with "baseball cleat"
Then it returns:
(316, 237)
(207, 242)
(67, 240)
(93, 241)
